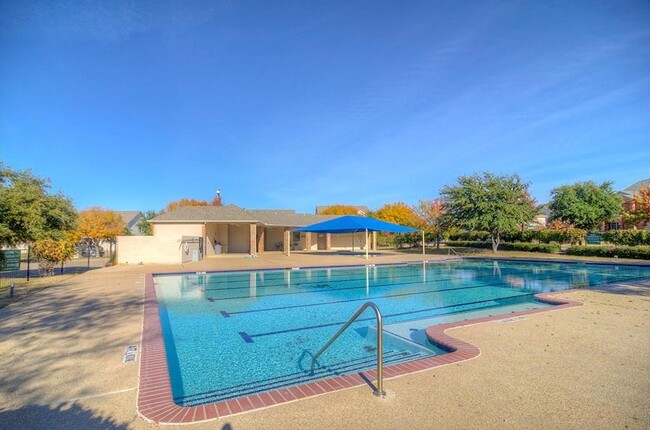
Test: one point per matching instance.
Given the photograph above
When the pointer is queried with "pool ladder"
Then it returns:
(379, 390)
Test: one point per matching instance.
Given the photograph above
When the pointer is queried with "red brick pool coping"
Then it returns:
(155, 402)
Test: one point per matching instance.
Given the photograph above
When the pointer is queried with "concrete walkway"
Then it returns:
(585, 367)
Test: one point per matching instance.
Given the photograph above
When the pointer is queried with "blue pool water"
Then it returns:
(232, 334)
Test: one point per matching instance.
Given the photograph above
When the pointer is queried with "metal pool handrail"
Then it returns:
(379, 391)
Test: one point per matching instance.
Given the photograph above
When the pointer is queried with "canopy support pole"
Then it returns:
(423, 251)
(366, 244)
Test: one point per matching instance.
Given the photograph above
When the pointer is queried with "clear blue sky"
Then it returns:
(128, 105)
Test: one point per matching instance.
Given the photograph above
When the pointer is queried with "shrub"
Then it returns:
(52, 252)
(636, 252)
(627, 237)
(547, 248)
(574, 236)
(469, 235)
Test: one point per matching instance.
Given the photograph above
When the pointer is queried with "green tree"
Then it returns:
(144, 226)
(496, 204)
(585, 205)
(28, 212)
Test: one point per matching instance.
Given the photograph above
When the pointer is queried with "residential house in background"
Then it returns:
(361, 210)
(628, 195)
(131, 219)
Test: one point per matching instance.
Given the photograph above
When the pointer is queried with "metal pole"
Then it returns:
(88, 251)
(29, 250)
(366, 244)
(380, 345)
(380, 359)
(423, 252)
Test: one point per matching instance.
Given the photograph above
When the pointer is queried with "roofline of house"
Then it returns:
(197, 221)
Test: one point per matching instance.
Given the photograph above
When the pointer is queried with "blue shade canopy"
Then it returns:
(353, 224)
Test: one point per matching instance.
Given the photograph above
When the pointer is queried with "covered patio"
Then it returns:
(350, 224)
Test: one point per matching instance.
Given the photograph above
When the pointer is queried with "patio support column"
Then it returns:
(260, 240)
(287, 242)
(328, 241)
(252, 239)
(374, 240)
(307, 242)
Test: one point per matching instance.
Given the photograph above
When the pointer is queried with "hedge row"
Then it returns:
(571, 235)
(548, 248)
(637, 252)
(627, 237)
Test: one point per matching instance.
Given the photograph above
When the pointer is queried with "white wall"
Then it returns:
(177, 231)
(344, 241)
(238, 236)
(272, 236)
(148, 249)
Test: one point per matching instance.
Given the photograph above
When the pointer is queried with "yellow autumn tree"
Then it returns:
(52, 252)
(97, 224)
(639, 213)
(340, 210)
(184, 202)
(399, 213)
(403, 214)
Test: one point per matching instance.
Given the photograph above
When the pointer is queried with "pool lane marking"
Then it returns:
(212, 299)
(270, 333)
(287, 378)
(431, 270)
(508, 271)
(209, 397)
(351, 300)
(246, 337)
(495, 285)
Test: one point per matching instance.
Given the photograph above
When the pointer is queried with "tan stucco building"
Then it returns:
(191, 233)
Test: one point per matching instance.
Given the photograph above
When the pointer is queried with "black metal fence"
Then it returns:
(26, 277)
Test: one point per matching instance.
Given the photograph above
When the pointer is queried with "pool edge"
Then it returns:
(155, 402)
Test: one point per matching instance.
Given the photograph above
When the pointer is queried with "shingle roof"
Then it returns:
(129, 217)
(286, 218)
(229, 213)
(630, 191)
(232, 213)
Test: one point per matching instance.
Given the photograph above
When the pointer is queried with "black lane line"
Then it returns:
(344, 273)
(363, 287)
(289, 377)
(428, 282)
(388, 316)
(307, 378)
(303, 282)
(417, 293)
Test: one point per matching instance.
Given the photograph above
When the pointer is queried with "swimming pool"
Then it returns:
(229, 335)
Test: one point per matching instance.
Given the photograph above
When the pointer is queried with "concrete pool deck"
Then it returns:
(584, 367)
